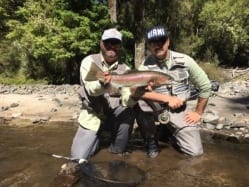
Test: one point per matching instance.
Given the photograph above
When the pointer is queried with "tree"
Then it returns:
(9, 63)
(139, 15)
(225, 26)
(53, 39)
(112, 7)
(132, 17)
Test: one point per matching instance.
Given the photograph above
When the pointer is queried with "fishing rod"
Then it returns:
(60, 156)
(80, 161)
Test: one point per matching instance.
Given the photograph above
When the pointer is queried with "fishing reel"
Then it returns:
(164, 117)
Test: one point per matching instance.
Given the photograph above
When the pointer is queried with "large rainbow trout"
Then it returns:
(131, 78)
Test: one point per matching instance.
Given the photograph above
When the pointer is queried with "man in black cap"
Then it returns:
(167, 104)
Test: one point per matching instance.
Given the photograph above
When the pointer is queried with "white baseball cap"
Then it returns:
(112, 34)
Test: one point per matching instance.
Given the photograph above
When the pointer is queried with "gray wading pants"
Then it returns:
(120, 121)
(186, 137)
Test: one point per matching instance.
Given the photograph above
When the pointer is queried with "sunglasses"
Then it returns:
(112, 42)
(157, 41)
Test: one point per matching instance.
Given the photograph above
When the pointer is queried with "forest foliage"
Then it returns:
(46, 40)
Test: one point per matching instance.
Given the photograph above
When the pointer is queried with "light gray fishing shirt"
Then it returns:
(92, 119)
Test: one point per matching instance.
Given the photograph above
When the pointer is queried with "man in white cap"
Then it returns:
(103, 109)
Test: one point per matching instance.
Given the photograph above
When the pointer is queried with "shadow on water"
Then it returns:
(240, 100)
(25, 160)
(239, 104)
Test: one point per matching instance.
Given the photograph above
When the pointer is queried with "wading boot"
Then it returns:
(152, 147)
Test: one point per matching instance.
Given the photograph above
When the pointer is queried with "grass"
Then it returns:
(18, 80)
(213, 71)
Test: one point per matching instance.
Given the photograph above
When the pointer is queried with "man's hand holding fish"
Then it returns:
(107, 78)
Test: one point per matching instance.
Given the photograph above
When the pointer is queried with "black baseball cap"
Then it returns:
(157, 33)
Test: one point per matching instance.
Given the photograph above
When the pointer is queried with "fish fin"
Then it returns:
(131, 71)
(94, 73)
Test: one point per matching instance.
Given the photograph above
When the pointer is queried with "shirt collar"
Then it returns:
(168, 60)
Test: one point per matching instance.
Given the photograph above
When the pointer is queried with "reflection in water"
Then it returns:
(25, 160)
(115, 172)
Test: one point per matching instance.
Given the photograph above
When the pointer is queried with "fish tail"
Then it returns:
(94, 73)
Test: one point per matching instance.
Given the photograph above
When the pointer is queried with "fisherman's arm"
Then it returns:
(173, 101)
(127, 97)
(201, 105)
(200, 79)
(143, 93)
(193, 117)
(94, 88)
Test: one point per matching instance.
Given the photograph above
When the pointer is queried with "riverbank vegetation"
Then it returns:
(44, 41)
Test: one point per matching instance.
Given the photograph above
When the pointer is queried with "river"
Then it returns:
(25, 160)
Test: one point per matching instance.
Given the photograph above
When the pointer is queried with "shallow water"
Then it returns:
(25, 160)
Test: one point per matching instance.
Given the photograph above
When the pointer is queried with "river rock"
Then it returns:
(210, 126)
(219, 126)
(211, 117)
(4, 108)
(16, 115)
(14, 105)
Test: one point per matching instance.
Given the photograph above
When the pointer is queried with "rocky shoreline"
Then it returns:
(226, 116)
(22, 105)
